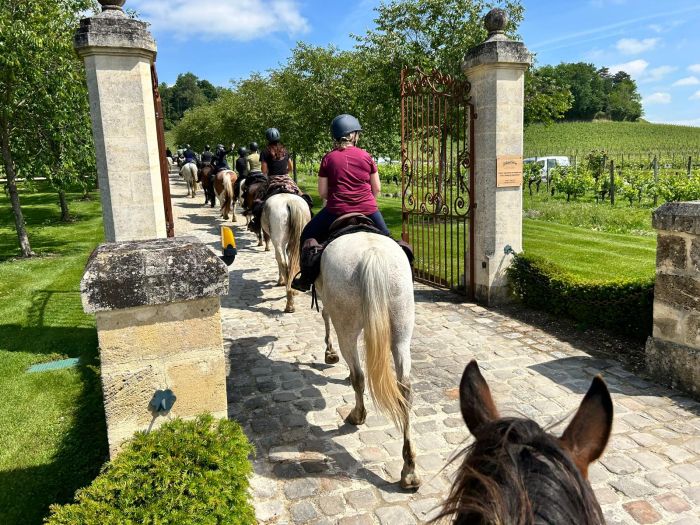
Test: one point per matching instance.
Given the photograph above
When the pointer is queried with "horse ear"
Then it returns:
(475, 398)
(587, 435)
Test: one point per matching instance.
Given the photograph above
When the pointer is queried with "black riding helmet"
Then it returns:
(242, 151)
(343, 125)
(207, 147)
(220, 147)
(253, 146)
(272, 135)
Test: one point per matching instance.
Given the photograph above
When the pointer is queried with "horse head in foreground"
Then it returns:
(516, 473)
(366, 285)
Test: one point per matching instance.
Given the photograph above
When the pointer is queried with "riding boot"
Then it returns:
(310, 264)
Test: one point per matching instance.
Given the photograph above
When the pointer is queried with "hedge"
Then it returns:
(625, 307)
(185, 472)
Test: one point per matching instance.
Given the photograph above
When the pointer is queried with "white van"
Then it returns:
(547, 163)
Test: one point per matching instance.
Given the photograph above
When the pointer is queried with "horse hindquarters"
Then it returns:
(381, 303)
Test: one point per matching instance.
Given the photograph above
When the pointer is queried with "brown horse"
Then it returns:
(516, 473)
(203, 179)
(223, 187)
(252, 192)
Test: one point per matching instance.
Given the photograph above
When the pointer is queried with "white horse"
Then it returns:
(283, 219)
(189, 173)
(366, 284)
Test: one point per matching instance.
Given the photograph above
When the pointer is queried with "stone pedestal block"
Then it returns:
(673, 352)
(158, 322)
(118, 54)
(496, 71)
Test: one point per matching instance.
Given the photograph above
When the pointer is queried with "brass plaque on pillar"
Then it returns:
(509, 171)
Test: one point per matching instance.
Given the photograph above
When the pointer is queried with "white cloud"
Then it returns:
(658, 98)
(241, 20)
(633, 46)
(635, 68)
(687, 81)
(657, 73)
(695, 68)
(695, 96)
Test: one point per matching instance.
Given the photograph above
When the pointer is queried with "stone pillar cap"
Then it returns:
(145, 273)
(112, 32)
(678, 217)
(498, 48)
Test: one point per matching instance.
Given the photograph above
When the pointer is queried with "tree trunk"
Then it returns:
(65, 213)
(21, 228)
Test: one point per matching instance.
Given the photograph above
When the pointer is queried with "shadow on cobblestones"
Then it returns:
(276, 401)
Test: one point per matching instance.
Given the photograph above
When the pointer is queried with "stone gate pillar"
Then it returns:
(673, 352)
(496, 71)
(155, 300)
(118, 54)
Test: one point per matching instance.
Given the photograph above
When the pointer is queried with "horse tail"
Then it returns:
(296, 226)
(381, 376)
(228, 190)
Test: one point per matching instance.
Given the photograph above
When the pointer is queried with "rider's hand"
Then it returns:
(233, 145)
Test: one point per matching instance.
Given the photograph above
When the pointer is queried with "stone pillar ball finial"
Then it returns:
(496, 21)
(108, 5)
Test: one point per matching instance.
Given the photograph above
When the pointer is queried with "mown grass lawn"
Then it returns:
(52, 430)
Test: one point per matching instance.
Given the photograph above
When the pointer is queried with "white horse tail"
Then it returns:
(228, 191)
(381, 376)
(296, 226)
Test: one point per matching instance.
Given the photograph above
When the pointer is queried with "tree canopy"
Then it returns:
(188, 92)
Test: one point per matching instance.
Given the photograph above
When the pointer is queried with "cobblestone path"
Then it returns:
(311, 467)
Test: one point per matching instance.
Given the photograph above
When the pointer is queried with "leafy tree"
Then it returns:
(36, 45)
(547, 97)
(624, 101)
(188, 92)
(586, 86)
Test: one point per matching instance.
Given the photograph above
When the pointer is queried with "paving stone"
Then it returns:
(268, 510)
(688, 520)
(642, 512)
(690, 473)
(359, 519)
(673, 503)
(361, 499)
(631, 488)
(619, 464)
(662, 478)
(332, 505)
(301, 488)
(303, 512)
(394, 516)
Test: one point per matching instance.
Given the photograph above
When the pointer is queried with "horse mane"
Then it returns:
(517, 474)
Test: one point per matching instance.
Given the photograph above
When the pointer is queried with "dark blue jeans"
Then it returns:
(321, 222)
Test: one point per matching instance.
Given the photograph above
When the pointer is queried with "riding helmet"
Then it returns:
(187, 146)
(272, 135)
(343, 125)
(207, 147)
(253, 146)
(220, 147)
(242, 151)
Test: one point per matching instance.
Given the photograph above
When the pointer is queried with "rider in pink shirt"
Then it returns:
(349, 182)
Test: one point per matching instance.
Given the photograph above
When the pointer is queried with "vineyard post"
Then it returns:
(612, 182)
(690, 165)
(656, 180)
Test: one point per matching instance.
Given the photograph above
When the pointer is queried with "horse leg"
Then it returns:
(347, 340)
(401, 351)
(281, 265)
(331, 355)
(267, 241)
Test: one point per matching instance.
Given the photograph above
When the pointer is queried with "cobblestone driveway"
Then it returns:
(311, 467)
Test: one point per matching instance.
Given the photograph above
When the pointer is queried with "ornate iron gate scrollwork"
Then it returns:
(437, 167)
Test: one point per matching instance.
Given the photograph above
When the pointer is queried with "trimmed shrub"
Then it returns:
(185, 472)
(622, 306)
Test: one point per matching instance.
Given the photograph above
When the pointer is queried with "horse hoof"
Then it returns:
(357, 417)
(332, 358)
(289, 310)
(410, 481)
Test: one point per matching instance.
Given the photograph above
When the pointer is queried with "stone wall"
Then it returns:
(673, 353)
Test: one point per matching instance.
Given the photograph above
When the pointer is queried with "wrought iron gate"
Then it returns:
(437, 165)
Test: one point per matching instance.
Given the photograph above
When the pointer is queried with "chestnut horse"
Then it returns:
(517, 473)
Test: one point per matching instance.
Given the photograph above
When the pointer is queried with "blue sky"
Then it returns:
(656, 41)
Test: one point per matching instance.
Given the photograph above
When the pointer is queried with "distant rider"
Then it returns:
(207, 156)
(241, 169)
